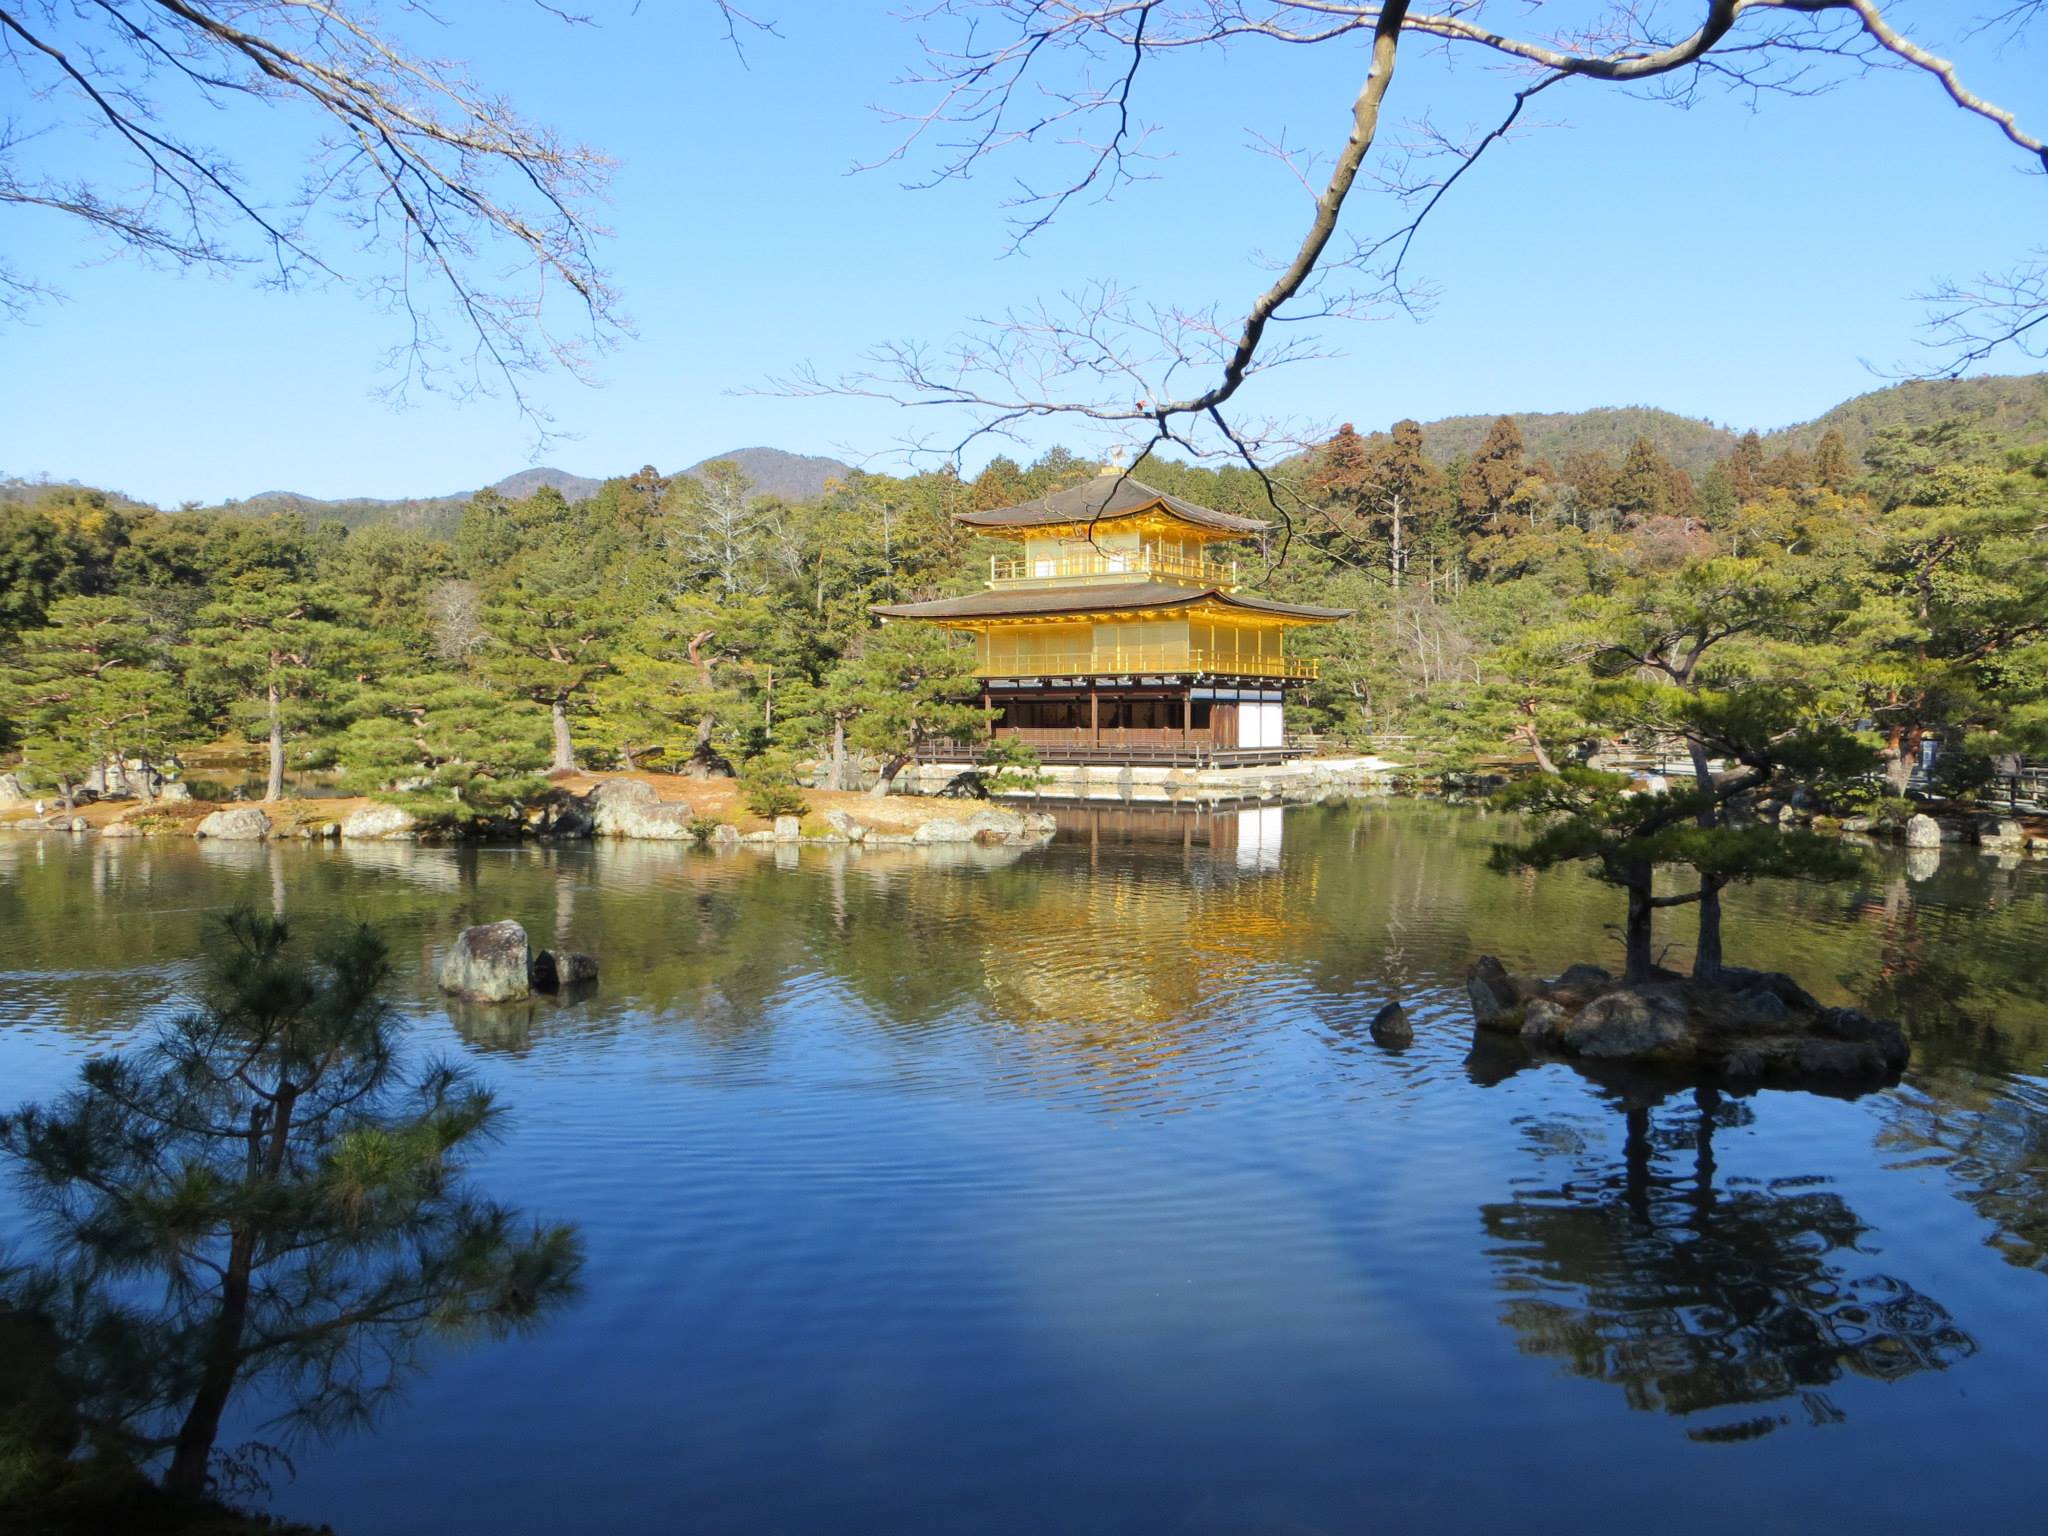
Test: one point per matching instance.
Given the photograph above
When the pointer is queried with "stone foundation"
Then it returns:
(1308, 778)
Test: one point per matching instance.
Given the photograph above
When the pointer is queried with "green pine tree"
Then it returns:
(284, 655)
(263, 1196)
(907, 685)
(90, 687)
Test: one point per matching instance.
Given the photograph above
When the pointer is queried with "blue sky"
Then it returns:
(1745, 266)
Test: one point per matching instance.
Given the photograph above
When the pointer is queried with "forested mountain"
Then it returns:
(2008, 411)
(1555, 435)
(790, 476)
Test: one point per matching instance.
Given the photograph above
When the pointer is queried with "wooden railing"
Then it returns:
(1172, 753)
(1111, 565)
(1119, 660)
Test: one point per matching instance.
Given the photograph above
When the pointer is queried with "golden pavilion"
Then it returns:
(1116, 631)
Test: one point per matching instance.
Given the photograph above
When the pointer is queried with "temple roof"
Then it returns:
(1126, 597)
(1107, 495)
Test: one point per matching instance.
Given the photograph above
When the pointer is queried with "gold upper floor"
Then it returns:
(1113, 554)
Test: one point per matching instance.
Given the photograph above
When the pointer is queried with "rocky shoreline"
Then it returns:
(635, 807)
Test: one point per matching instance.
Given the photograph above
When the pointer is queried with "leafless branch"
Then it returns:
(1999, 313)
(1011, 73)
(426, 189)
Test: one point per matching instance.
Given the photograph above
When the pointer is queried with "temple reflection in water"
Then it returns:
(1162, 959)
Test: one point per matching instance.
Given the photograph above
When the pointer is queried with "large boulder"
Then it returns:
(13, 791)
(1922, 831)
(1543, 1022)
(490, 963)
(844, 824)
(943, 829)
(990, 824)
(623, 792)
(2004, 835)
(1628, 1026)
(236, 823)
(378, 823)
(631, 808)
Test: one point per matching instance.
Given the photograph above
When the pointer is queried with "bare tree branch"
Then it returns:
(1019, 69)
(426, 190)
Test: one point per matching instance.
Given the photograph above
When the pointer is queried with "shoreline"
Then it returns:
(647, 806)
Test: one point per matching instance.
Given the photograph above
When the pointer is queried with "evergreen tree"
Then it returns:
(1627, 835)
(1649, 486)
(903, 688)
(90, 688)
(444, 746)
(283, 655)
(1831, 467)
(662, 699)
(1383, 490)
(1590, 476)
(262, 1197)
(1949, 613)
(1745, 467)
(551, 638)
(1491, 476)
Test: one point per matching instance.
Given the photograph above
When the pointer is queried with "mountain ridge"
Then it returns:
(773, 471)
(2008, 410)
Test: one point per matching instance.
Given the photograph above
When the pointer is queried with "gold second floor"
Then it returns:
(1186, 643)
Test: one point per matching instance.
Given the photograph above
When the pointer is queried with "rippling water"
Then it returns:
(1065, 1191)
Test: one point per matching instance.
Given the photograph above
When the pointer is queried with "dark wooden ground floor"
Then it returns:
(1170, 721)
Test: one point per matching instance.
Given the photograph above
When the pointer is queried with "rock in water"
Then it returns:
(553, 969)
(376, 822)
(1922, 831)
(1496, 1001)
(2004, 835)
(1390, 1026)
(242, 823)
(488, 964)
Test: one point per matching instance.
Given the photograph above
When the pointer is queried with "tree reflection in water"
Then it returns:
(1695, 1298)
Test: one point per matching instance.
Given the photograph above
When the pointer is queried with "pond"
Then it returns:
(1064, 1190)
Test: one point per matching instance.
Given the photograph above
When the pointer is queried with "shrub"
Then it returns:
(769, 801)
(769, 787)
(1963, 776)
(701, 828)
(1010, 765)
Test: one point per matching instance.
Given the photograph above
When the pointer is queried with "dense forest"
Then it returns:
(688, 622)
